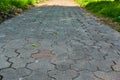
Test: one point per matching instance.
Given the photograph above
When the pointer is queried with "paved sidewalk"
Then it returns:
(57, 40)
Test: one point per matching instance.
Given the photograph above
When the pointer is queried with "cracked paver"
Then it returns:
(57, 40)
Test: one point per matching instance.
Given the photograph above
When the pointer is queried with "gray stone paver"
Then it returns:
(84, 65)
(10, 53)
(63, 64)
(12, 74)
(86, 75)
(19, 62)
(82, 48)
(38, 74)
(3, 62)
(26, 53)
(107, 75)
(63, 75)
(15, 44)
(43, 64)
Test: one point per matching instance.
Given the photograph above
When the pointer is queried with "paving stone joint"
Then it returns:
(58, 40)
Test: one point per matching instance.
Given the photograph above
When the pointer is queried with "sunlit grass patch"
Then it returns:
(7, 4)
(85, 2)
(105, 8)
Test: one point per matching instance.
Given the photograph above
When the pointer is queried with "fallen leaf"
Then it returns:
(34, 45)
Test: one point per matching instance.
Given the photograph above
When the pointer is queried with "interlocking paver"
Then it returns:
(0, 77)
(62, 65)
(60, 48)
(15, 44)
(84, 65)
(116, 66)
(19, 62)
(102, 65)
(10, 53)
(12, 74)
(63, 75)
(3, 62)
(43, 64)
(38, 74)
(107, 75)
(86, 75)
(26, 53)
(57, 40)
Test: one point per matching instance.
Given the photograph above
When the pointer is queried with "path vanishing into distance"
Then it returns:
(57, 40)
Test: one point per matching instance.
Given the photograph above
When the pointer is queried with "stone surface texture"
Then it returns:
(58, 40)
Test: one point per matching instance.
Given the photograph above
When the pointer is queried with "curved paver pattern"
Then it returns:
(57, 40)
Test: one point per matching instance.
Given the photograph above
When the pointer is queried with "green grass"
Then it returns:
(4, 4)
(85, 2)
(117, 28)
(106, 8)
(7, 4)
(19, 3)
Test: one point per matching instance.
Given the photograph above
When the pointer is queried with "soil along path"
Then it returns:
(57, 40)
